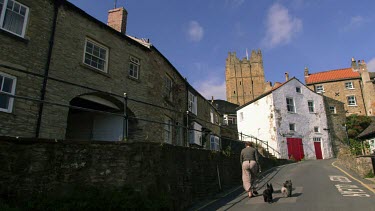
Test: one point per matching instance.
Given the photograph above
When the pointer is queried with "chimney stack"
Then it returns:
(286, 76)
(354, 64)
(117, 19)
(306, 71)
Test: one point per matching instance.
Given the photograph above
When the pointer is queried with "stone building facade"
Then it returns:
(244, 78)
(91, 76)
(204, 122)
(353, 86)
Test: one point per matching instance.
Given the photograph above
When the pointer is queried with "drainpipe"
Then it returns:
(47, 66)
(187, 112)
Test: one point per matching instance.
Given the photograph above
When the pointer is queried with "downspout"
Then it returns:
(47, 66)
(187, 112)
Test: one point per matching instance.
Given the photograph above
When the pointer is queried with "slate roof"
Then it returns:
(275, 87)
(368, 132)
(332, 75)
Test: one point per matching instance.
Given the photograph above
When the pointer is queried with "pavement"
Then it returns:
(263, 178)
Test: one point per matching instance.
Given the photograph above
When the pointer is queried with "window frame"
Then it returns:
(298, 90)
(192, 103)
(26, 19)
(354, 98)
(294, 127)
(168, 129)
(316, 129)
(168, 88)
(320, 87)
(311, 108)
(100, 46)
(334, 109)
(290, 108)
(136, 63)
(317, 139)
(214, 143)
(13, 91)
(349, 87)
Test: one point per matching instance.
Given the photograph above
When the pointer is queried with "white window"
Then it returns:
(292, 127)
(229, 120)
(168, 84)
(319, 88)
(195, 134)
(192, 103)
(214, 143)
(298, 90)
(351, 100)
(310, 104)
(134, 67)
(212, 116)
(349, 85)
(316, 130)
(290, 105)
(332, 109)
(96, 55)
(168, 130)
(13, 17)
(8, 86)
(317, 139)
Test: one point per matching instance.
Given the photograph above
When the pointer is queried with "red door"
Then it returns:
(318, 150)
(295, 148)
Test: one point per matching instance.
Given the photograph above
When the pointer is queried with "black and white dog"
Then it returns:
(267, 194)
(287, 188)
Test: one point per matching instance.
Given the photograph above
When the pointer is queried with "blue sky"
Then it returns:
(196, 35)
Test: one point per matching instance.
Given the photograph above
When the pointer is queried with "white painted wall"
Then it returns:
(271, 116)
(258, 121)
(304, 120)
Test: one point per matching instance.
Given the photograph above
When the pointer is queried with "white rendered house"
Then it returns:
(291, 118)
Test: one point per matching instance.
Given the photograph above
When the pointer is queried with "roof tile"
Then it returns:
(331, 75)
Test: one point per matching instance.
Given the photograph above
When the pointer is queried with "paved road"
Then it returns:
(317, 185)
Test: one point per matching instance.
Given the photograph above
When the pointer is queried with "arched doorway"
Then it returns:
(84, 124)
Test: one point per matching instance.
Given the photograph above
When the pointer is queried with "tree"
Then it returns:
(355, 124)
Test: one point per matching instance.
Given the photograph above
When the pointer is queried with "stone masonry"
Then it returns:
(245, 79)
(27, 53)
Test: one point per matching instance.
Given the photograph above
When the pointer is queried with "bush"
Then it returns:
(370, 174)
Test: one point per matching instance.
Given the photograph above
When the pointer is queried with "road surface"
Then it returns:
(317, 185)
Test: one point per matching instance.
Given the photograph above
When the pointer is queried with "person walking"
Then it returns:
(249, 162)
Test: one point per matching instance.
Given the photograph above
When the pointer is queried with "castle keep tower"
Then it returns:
(244, 78)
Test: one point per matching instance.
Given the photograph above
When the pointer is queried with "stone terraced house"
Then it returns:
(291, 118)
(89, 76)
(354, 86)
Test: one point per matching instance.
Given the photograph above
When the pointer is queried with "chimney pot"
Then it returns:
(286, 76)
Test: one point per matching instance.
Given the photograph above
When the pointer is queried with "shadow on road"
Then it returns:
(237, 196)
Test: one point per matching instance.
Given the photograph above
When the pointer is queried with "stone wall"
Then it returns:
(244, 78)
(185, 175)
(337, 91)
(361, 165)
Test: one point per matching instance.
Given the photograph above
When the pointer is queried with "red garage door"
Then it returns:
(295, 148)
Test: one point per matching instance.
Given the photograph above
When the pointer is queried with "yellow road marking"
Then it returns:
(363, 184)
